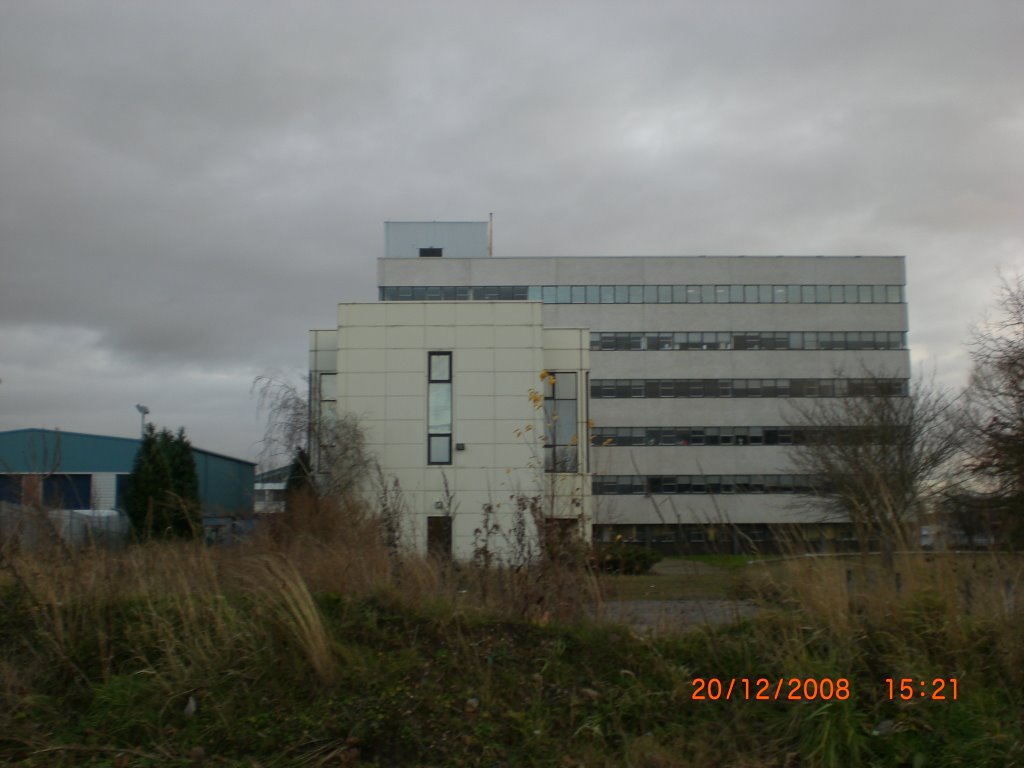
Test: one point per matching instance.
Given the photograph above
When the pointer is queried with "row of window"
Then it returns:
(623, 388)
(653, 436)
(746, 340)
(623, 485)
(651, 294)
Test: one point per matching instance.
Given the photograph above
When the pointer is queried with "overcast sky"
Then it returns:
(187, 187)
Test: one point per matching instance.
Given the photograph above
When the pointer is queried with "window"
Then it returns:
(439, 408)
(430, 253)
(561, 439)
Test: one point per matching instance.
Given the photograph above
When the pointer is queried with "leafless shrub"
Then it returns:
(994, 423)
(875, 460)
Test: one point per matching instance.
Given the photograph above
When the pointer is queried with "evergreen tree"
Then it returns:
(163, 490)
(184, 496)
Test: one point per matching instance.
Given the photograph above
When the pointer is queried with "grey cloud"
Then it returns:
(191, 186)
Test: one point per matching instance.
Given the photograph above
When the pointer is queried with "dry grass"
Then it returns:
(144, 629)
(192, 607)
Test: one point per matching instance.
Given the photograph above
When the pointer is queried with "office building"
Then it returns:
(691, 372)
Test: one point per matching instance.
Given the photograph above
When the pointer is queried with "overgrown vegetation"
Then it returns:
(628, 559)
(307, 647)
(994, 423)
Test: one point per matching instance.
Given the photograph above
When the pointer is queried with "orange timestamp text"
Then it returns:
(936, 688)
(770, 689)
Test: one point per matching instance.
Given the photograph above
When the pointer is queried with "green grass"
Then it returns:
(666, 583)
(725, 561)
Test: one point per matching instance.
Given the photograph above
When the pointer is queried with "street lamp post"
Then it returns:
(143, 410)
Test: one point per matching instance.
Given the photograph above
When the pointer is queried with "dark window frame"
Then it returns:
(445, 436)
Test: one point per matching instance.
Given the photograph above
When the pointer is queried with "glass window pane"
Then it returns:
(779, 294)
(892, 293)
(822, 295)
(707, 294)
(693, 294)
(565, 386)
(878, 294)
(722, 294)
(807, 294)
(835, 294)
(864, 294)
(439, 407)
(440, 449)
(736, 294)
(550, 295)
(563, 424)
(440, 367)
(679, 294)
(563, 294)
(593, 294)
(328, 416)
(793, 294)
(764, 294)
(328, 386)
(850, 294)
(650, 294)
(750, 294)
(607, 294)
(621, 294)
(636, 294)
(664, 294)
(533, 293)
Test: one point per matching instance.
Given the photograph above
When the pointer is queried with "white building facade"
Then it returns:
(476, 409)
(694, 372)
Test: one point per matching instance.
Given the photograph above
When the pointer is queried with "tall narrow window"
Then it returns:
(439, 408)
(561, 439)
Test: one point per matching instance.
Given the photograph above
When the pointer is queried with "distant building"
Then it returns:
(687, 372)
(71, 470)
(271, 488)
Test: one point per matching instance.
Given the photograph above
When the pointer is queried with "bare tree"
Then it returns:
(875, 460)
(335, 442)
(995, 407)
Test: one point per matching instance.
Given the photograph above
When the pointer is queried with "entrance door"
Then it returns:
(439, 537)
